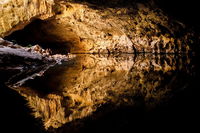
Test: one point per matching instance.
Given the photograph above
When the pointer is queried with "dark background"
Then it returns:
(183, 10)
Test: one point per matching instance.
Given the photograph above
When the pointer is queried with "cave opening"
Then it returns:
(48, 34)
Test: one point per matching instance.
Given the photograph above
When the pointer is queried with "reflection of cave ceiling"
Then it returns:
(79, 87)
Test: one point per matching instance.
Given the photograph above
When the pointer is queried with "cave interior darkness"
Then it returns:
(34, 33)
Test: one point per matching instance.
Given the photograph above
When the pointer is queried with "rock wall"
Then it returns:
(98, 26)
(15, 14)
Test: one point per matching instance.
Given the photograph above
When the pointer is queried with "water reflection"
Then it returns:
(78, 88)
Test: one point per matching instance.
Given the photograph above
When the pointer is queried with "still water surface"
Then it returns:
(101, 93)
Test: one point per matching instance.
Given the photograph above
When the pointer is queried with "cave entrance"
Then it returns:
(58, 37)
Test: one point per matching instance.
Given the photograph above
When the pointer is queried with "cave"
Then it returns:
(113, 66)
(99, 27)
(48, 34)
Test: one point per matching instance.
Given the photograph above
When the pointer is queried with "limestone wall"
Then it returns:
(15, 14)
(91, 27)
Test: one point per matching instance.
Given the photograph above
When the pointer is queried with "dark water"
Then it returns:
(101, 93)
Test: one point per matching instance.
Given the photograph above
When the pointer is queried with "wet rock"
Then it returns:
(34, 52)
(26, 62)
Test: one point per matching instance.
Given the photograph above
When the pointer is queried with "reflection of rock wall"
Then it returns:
(80, 87)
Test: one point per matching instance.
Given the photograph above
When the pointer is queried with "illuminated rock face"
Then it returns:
(81, 27)
(78, 88)
(15, 14)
